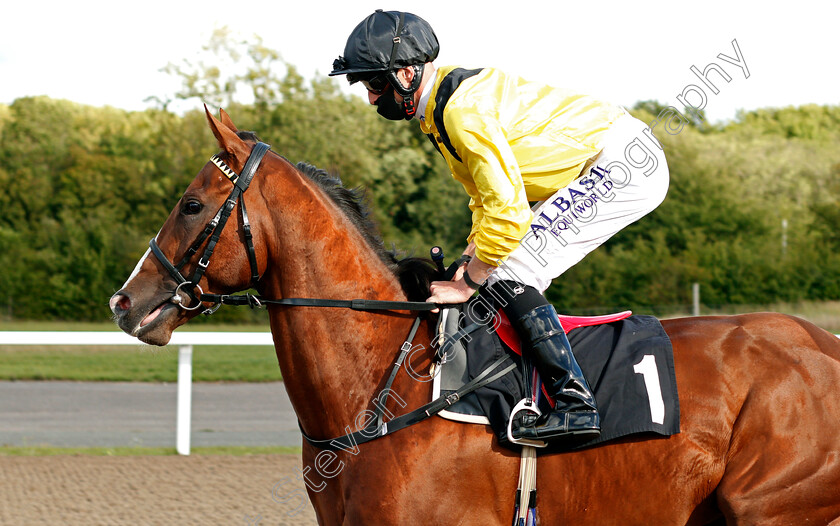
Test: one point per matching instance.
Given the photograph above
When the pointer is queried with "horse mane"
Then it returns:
(415, 274)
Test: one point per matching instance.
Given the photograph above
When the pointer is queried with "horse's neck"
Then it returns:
(332, 360)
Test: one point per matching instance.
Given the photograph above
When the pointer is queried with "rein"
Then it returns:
(357, 304)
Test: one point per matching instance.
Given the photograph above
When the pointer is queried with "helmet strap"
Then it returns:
(415, 82)
(409, 107)
(396, 41)
(408, 93)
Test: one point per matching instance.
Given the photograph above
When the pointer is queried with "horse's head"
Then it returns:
(162, 293)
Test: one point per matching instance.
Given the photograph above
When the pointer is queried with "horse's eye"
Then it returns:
(192, 208)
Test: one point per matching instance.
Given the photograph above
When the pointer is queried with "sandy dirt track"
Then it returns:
(166, 490)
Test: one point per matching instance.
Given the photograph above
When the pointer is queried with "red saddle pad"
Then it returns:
(508, 334)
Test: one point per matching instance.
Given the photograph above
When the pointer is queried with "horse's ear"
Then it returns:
(226, 120)
(227, 138)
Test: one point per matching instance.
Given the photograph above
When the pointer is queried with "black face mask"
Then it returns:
(389, 108)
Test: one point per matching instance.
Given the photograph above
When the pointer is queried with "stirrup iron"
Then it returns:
(526, 404)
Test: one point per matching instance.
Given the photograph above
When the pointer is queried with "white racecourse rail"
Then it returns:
(184, 341)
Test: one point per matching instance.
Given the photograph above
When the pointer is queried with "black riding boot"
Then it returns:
(574, 419)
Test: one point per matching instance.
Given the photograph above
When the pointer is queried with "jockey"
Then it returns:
(590, 167)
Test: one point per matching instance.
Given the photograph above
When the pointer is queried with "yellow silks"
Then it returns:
(518, 141)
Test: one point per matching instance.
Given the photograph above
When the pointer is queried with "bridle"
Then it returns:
(377, 427)
(213, 230)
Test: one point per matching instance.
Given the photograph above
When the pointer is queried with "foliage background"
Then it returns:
(85, 188)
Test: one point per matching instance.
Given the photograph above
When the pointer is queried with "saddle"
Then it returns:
(627, 360)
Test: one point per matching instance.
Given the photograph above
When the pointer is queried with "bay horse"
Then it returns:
(760, 411)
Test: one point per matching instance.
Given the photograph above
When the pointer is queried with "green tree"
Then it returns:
(85, 189)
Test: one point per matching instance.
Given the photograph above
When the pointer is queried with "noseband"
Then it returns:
(213, 230)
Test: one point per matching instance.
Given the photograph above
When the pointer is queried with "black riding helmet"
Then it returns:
(385, 42)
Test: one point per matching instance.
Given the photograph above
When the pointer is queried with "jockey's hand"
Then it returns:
(456, 291)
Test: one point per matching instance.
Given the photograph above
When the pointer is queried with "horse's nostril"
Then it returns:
(119, 302)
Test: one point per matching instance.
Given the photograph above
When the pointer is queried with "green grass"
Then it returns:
(45, 451)
(133, 364)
